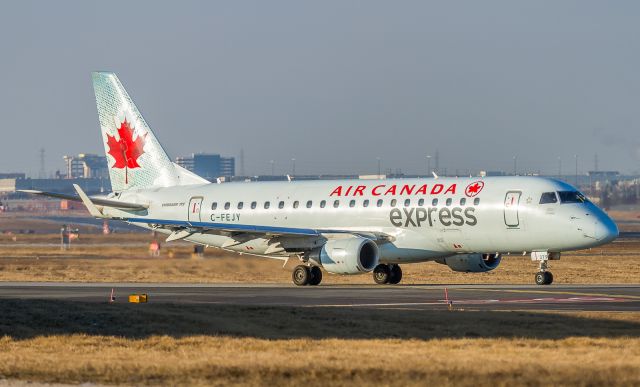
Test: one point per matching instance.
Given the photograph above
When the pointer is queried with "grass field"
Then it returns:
(62, 342)
(124, 257)
(53, 341)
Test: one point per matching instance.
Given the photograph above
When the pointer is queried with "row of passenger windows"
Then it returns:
(352, 203)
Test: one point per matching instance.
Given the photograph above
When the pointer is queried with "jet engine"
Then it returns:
(472, 263)
(352, 255)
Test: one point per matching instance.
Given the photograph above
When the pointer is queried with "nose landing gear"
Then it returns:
(543, 276)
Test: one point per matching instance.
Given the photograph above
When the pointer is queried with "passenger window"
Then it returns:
(227, 205)
(449, 201)
(434, 202)
(463, 201)
(214, 205)
(254, 205)
(476, 201)
(267, 205)
(323, 203)
(407, 202)
(548, 197)
(336, 203)
(365, 203)
(352, 203)
(240, 205)
(380, 202)
(393, 202)
(296, 204)
(281, 205)
(309, 204)
(421, 202)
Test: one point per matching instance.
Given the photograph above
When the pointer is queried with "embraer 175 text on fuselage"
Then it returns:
(344, 227)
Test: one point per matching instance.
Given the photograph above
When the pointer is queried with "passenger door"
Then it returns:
(511, 204)
(194, 209)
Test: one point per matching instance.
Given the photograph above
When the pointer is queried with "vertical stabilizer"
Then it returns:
(135, 157)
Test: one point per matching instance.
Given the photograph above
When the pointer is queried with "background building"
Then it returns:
(208, 165)
(86, 166)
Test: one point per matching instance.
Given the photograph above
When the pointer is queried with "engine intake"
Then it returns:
(472, 263)
(353, 255)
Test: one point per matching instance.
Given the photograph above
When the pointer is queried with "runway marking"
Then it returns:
(480, 302)
(556, 292)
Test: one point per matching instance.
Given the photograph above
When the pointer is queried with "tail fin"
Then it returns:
(135, 157)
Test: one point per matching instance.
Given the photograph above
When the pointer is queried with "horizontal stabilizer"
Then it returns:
(93, 210)
(97, 201)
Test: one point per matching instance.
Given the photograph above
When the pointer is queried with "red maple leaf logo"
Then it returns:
(126, 151)
(474, 188)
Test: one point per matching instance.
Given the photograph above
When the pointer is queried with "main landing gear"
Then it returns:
(387, 274)
(306, 275)
(544, 277)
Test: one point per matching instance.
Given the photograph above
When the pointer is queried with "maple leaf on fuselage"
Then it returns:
(474, 188)
(126, 151)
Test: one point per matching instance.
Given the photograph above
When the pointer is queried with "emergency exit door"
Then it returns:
(511, 204)
(194, 209)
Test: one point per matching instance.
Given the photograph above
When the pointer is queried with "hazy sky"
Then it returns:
(333, 84)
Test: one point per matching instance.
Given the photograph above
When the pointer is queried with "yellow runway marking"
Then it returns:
(557, 292)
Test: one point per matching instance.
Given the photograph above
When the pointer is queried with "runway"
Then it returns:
(405, 297)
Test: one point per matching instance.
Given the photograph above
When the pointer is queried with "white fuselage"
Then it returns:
(428, 218)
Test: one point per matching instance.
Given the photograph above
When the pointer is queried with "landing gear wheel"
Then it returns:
(381, 274)
(316, 275)
(544, 278)
(395, 274)
(301, 275)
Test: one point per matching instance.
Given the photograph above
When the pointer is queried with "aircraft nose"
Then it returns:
(606, 229)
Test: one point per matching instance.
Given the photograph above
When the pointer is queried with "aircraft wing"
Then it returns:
(97, 201)
(182, 229)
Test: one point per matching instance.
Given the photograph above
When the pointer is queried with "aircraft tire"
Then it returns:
(381, 274)
(544, 278)
(395, 274)
(301, 275)
(316, 276)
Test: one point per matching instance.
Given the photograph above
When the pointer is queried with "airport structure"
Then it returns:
(211, 166)
(86, 166)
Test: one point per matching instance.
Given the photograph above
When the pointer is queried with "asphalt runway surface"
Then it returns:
(405, 297)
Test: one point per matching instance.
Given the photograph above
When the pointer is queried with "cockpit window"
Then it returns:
(571, 197)
(548, 197)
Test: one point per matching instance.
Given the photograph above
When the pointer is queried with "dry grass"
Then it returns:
(117, 258)
(230, 345)
(203, 360)
(55, 341)
(124, 257)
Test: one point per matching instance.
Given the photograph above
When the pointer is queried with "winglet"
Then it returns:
(93, 210)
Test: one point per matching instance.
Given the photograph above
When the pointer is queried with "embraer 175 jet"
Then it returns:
(343, 227)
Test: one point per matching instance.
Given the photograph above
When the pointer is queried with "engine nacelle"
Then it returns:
(472, 263)
(353, 255)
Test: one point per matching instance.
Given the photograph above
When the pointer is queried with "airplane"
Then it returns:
(344, 226)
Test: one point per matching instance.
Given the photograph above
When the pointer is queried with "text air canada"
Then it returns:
(394, 189)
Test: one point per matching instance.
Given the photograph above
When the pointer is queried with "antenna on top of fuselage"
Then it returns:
(434, 175)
